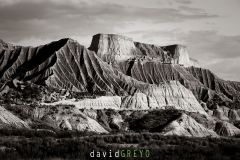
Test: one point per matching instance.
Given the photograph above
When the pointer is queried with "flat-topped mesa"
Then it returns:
(117, 48)
(112, 47)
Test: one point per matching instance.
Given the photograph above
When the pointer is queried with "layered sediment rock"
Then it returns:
(123, 75)
(170, 95)
(155, 64)
(65, 64)
(213, 82)
(113, 102)
(178, 54)
(116, 48)
(111, 47)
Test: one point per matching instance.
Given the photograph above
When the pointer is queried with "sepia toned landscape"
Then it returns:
(115, 93)
(132, 80)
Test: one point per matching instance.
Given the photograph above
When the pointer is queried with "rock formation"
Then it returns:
(116, 48)
(65, 64)
(8, 120)
(187, 126)
(111, 47)
(226, 129)
(114, 84)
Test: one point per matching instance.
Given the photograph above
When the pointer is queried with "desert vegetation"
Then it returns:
(35, 144)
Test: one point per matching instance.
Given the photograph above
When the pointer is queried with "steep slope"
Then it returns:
(65, 64)
(7, 119)
(213, 82)
(6, 45)
(156, 64)
(155, 72)
(226, 129)
(28, 63)
(187, 126)
(171, 122)
(166, 95)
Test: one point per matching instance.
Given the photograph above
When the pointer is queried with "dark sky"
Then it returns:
(210, 28)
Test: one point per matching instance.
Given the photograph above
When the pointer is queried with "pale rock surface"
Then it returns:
(9, 119)
(164, 96)
(117, 120)
(180, 55)
(187, 126)
(74, 119)
(90, 113)
(137, 101)
(117, 48)
(175, 95)
(111, 47)
(113, 102)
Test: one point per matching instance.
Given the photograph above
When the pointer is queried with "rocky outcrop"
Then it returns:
(179, 55)
(66, 64)
(108, 120)
(113, 102)
(116, 48)
(164, 96)
(187, 126)
(174, 95)
(5, 45)
(9, 120)
(68, 117)
(155, 72)
(111, 47)
(118, 74)
(155, 64)
(226, 129)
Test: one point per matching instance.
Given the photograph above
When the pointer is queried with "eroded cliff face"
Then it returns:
(228, 91)
(179, 55)
(126, 78)
(154, 64)
(66, 64)
(170, 95)
(116, 48)
(111, 47)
